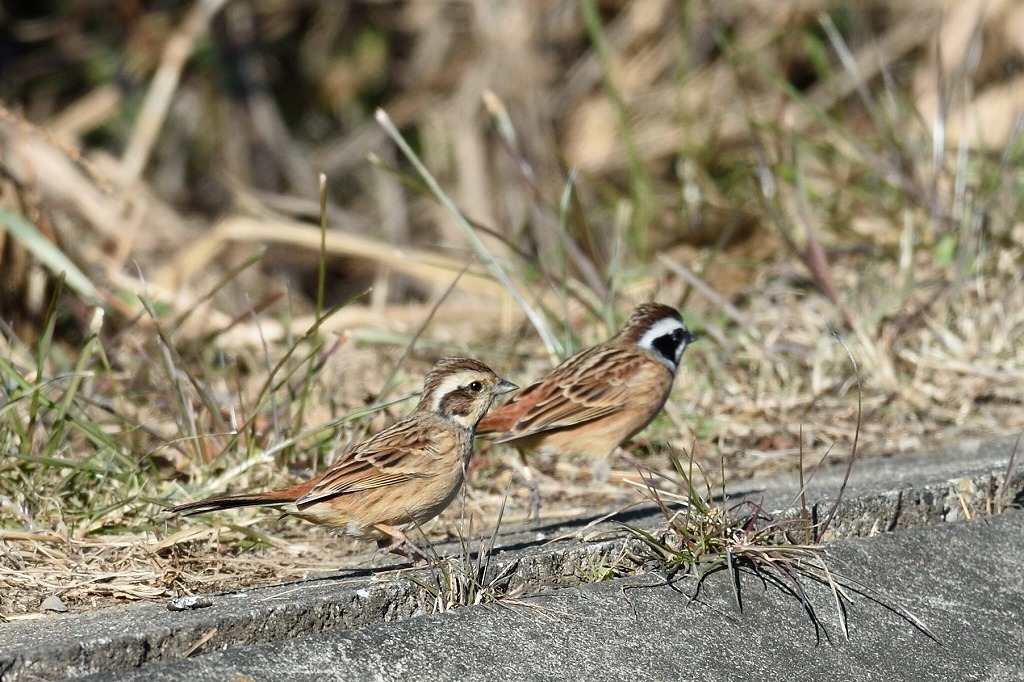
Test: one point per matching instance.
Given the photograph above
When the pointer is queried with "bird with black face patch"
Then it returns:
(404, 476)
(599, 398)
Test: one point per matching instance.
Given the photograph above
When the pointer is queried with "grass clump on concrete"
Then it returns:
(466, 578)
(702, 536)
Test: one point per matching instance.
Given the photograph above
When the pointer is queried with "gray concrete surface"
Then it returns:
(963, 581)
(963, 578)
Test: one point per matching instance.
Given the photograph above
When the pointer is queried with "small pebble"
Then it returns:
(53, 603)
(189, 603)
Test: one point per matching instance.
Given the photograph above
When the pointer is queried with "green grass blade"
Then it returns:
(47, 253)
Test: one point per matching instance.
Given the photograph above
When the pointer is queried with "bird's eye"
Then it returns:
(475, 386)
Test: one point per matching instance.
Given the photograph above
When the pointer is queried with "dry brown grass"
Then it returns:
(779, 171)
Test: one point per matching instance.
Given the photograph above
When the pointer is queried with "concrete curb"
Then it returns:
(962, 580)
(890, 494)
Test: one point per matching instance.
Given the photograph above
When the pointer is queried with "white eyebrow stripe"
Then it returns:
(661, 328)
(448, 384)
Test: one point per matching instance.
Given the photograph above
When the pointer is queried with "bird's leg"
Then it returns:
(399, 543)
(533, 501)
(601, 469)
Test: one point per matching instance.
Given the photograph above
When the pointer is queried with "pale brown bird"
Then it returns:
(599, 398)
(404, 476)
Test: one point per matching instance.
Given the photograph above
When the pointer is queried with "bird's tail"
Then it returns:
(273, 498)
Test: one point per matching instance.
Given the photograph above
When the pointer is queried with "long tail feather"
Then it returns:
(273, 498)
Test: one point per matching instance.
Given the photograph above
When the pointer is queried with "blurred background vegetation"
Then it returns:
(781, 171)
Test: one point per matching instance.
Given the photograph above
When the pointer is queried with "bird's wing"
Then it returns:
(398, 454)
(589, 386)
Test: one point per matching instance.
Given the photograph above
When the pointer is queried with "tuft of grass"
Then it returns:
(598, 568)
(466, 578)
(701, 537)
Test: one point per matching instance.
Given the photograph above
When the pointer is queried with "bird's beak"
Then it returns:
(505, 387)
(691, 336)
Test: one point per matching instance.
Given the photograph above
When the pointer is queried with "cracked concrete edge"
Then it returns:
(127, 637)
(733, 627)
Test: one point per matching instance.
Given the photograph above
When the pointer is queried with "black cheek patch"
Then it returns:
(667, 346)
